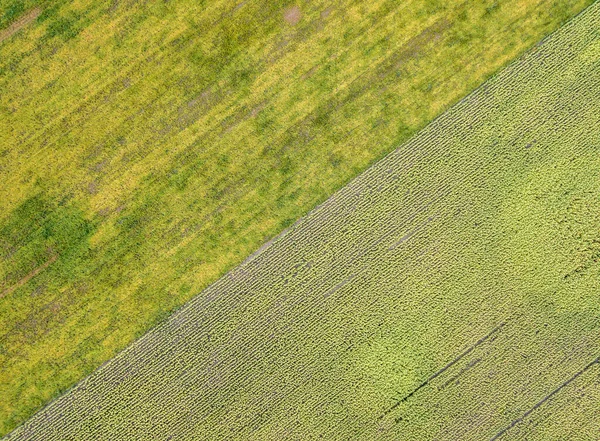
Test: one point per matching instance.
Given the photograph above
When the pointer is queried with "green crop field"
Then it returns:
(449, 292)
(146, 148)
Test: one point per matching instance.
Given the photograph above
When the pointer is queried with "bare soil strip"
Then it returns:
(29, 276)
(19, 24)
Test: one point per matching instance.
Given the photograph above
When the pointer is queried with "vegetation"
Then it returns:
(148, 149)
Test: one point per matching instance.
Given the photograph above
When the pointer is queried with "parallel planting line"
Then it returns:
(444, 369)
(234, 339)
(546, 398)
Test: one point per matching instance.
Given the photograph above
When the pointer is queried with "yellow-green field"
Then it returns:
(147, 148)
(450, 292)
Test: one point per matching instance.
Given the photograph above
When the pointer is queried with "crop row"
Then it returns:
(280, 343)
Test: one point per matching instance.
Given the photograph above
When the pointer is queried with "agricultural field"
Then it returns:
(146, 148)
(449, 292)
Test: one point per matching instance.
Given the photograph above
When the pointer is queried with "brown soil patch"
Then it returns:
(104, 212)
(19, 24)
(292, 15)
(309, 73)
(417, 44)
(92, 187)
(29, 276)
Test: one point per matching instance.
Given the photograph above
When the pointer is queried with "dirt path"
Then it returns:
(17, 25)
(29, 276)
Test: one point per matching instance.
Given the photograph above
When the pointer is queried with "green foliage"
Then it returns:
(11, 12)
(449, 292)
(38, 230)
(63, 27)
(182, 135)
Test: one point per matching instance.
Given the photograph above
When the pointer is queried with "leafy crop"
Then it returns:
(448, 292)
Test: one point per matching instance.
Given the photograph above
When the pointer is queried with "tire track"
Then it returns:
(444, 369)
(546, 398)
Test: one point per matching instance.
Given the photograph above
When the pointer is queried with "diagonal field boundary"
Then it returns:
(217, 365)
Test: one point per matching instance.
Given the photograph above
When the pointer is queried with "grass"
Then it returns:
(153, 148)
(449, 292)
